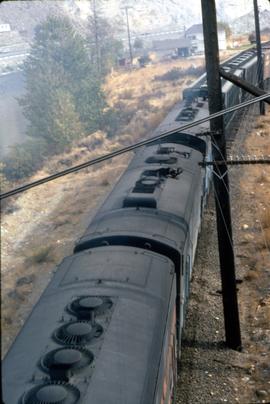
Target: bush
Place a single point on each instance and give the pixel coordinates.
(114, 119)
(23, 160)
(173, 74)
(177, 73)
(40, 255)
(3, 179)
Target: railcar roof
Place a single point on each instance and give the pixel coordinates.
(127, 353)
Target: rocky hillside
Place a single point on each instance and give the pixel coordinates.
(145, 16)
(245, 23)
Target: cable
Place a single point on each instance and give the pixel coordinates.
(130, 148)
(223, 218)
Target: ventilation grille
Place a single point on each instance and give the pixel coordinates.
(187, 114)
(85, 307)
(162, 173)
(52, 393)
(60, 362)
(78, 333)
(159, 159)
(165, 150)
(146, 185)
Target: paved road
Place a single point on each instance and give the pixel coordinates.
(12, 122)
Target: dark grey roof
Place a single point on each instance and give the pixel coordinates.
(167, 44)
(198, 29)
(195, 29)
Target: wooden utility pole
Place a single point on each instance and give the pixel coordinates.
(128, 31)
(221, 182)
(96, 34)
(259, 53)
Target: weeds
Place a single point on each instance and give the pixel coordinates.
(262, 178)
(251, 276)
(104, 183)
(266, 219)
(127, 94)
(177, 73)
(40, 255)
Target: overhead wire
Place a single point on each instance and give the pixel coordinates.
(129, 148)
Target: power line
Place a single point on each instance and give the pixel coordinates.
(129, 148)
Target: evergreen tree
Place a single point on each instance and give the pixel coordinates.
(63, 99)
(105, 48)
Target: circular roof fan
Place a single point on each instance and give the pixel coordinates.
(78, 333)
(62, 360)
(85, 306)
(149, 181)
(52, 393)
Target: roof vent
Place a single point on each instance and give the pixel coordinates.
(52, 393)
(146, 185)
(161, 160)
(162, 173)
(165, 150)
(187, 114)
(84, 307)
(62, 360)
(78, 333)
(139, 202)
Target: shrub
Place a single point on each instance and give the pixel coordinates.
(40, 255)
(23, 160)
(177, 73)
(266, 219)
(173, 74)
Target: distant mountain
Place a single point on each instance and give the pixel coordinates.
(245, 24)
(144, 15)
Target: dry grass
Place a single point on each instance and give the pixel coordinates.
(134, 86)
(64, 207)
(254, 254)
(266, 219)
(251, 276)
(40, 255)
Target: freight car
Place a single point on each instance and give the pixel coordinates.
(108, 327)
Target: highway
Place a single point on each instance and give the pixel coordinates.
(12, 123)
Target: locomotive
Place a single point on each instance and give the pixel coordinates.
(108, 327)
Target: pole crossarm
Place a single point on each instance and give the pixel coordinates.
(243, 84)
(236, 162)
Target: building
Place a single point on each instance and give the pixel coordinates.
(195, 35)
(180, 47)
(5, 28)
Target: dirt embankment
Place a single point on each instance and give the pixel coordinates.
(209, 372)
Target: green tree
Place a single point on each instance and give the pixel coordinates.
(65, 124)
(226, 27)
(138, 43)
(105, 48)
(63, 99)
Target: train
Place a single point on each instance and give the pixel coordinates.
(108, 327)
